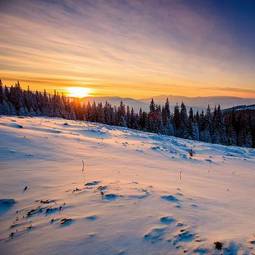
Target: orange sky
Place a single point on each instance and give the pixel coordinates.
(143, 52)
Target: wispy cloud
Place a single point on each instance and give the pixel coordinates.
(233, 90)
(120, 47)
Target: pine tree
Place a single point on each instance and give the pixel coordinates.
(184, 122)
(177, 120)
(1, 93)
(133, 119)
(190, 125)
(128, 118)
(191, 115)
(121, 115)
(152, 106)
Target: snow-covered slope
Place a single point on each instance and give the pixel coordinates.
(137, 193)
(241, 108)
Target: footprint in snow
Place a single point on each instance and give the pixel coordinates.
(52, 210)
(15, 125)
(155, 235)
(170, 198)
(91, 218)
(167, 220)
(201, 251)
(143, 194)
(66, 222)
(184, 236)
(232, 248)
(93, 183)
(6, 204)
(111, 197)
(179, 224)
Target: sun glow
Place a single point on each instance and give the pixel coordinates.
(78, 92)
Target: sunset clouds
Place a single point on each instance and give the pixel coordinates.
(128, 48)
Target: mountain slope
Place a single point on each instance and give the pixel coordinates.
(72, 187)
(198, 103)
(241, 108)
(136, 104)
(202, 102)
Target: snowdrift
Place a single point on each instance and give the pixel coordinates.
(70, 187)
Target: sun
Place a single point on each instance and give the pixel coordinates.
(78, 92)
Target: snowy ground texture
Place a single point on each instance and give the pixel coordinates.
(138, 193)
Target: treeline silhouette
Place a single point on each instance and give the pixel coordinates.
(213, 126)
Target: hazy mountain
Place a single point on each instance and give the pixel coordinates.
(136, 104)
(202, 102)
(241, 108)
(198, 103)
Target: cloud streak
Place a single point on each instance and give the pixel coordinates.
(120, 47)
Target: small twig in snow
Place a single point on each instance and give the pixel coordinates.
(82, 165)
(191, 153)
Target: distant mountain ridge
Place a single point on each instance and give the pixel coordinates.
(197, 103)
(202, 102)
(241, 108)
(136, 104)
